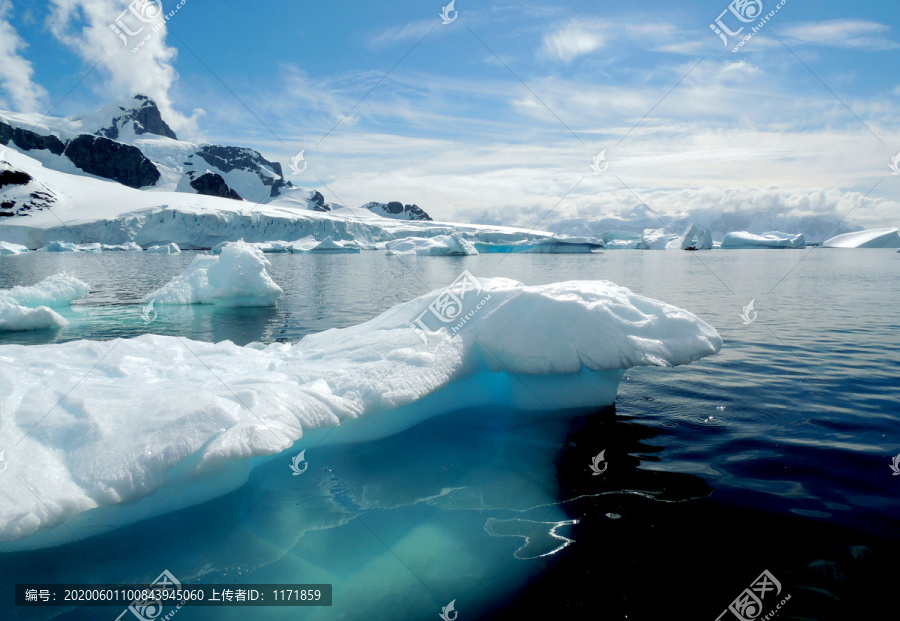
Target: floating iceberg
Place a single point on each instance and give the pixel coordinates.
(235, 277)
(543, 245)
(695, 238)
(126, 247)
(170, 248)
(166, 423)
(58, 246)
(8, 248)
(441, 245)
(871, 238)
(54, 291)
(655, 239)
(326, 246)
(15, 317)
(772, 239)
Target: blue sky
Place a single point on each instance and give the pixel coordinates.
(497, 115)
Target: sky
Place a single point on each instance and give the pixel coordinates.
(498, 115)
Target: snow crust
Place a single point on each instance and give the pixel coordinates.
(772, 239)
(235, 277)
(159, 423)
(870, 238)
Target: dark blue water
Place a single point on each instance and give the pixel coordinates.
(772, 455)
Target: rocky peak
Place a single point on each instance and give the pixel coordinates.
(142, 114)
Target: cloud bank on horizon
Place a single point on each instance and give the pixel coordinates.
(497, 116)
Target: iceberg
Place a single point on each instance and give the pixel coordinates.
(870, 238)
(58, 246)
(54, 291)
(655, 239)
(440, 245)
(694, 238)
(772, 239)
(542, 245)
(326, 246)
(8, 248)
(170, 248)
(15, 317)
(235, 277)
(165, 423)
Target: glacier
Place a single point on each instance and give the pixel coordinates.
(870, 238)
(236, 276)
(160, 423)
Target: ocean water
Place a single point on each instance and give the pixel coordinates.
(773, 455)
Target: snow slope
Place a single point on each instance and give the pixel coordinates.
(158, 423)
(870, 238)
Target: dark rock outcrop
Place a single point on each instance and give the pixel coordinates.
(28, 140)
(227, 159)
(20, 193)
(212, 184)
(398, 210)
(146, 119)
(109, 159)
(317, 202)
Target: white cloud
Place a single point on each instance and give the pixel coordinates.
(84, 26)
(843, 33)
(15, 71)
(575, 39)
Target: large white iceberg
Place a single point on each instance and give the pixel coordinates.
(694, 238)
(772, 239)
(440, 245)
(54, 291)
(15, 317)
(163, 422)
(655, 239)
(871, 238)
(8, 248)
(235, 277)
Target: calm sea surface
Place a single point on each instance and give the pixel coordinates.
(773, 455)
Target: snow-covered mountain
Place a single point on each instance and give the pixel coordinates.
(397, 210)
(129, 142)
(814, 228)
(80, 209)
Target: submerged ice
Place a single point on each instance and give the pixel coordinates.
(159, 423)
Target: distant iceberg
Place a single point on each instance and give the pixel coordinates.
(170, 248)
(440, 245)
(236, 277)
(694, 238)
(171, 423)
(655, 239)
(8, 248)
(772, 239)
(871, 238)
(542, 245)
